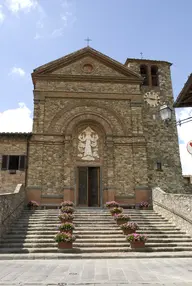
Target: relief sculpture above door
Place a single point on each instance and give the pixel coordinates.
(88, 145)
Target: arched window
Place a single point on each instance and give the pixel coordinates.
(154, 76)
(144, 74)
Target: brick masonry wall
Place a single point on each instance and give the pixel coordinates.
(174, 204)
(11, 146)
(11, 206)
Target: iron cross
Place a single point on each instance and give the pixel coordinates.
(88, 40)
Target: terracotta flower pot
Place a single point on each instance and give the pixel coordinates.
(66, 221)
(137, 244)
(65, 245)
(121, 221)
(67, 231)
(128, 231)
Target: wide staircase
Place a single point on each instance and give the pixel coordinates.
(98, 235)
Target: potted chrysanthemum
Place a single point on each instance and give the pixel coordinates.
(32, 205)
(143, 205)
(111, 204)
(67, 209)
(121, 218)
(137, 240)
(66, 217)
(66, 227)
(66, 204)
(65, 240)
(116, 210)
(129, 227)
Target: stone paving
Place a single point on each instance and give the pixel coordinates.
(99, 272)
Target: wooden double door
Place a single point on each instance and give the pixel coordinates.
(88, 186)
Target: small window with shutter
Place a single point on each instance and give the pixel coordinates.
(4, 165)
(22, 163)
(159, 166)
(13, 162)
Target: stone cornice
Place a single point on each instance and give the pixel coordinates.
(135, 99)
(85, 78)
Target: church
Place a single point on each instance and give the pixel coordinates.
(97, 134)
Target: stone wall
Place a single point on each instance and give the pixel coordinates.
(11, 206)
(61, 109)
(175, 207)
(11, 144)
(162, 140)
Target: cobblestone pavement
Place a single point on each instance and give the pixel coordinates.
(113, 272)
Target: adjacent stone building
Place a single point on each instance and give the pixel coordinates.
(97, 135)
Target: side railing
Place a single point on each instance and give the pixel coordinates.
(175, 207)
(11, 206)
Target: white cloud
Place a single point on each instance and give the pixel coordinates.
(2, 15)
(16, 6)
(18, 71)
(16, 120)
(185, 135)
(57, 33)
(37, 36)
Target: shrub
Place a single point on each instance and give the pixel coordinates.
(66, 216)
(67, 209)
(136, 237)
(130, 225)
(116, 210)
(67, 226)
(111, 204)
(66, 204)
(122, 217)
(64, 237)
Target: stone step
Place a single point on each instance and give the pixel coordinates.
(54, 244)
(121, 238)
(55, 250)
(91, 222)
(93, 249)
(31, 220)
(104, 255)
(89, 227)
(95, 231)
(80, 244)
(80, 215)
(96, 236)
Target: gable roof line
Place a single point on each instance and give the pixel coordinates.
(89, 51)
(183, 92)
(128, 60)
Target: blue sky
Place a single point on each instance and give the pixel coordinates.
(33, 32)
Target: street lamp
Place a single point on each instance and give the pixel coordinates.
(166, 113)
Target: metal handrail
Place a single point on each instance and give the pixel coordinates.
(183, 121)
(174, 212)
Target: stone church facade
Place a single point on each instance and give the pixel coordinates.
(97, 135)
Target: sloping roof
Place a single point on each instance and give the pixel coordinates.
(87, 51)
(129, 60)
(16, 134)
(184, 98)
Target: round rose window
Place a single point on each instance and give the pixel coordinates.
(88, 68)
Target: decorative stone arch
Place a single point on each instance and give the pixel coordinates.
(107, 118)
(72, 122)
